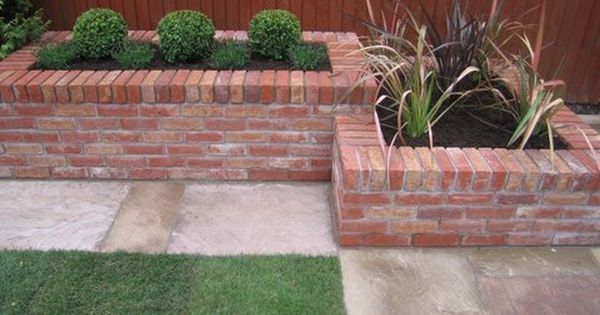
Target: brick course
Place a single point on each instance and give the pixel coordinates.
(151, 124)
(448, 197)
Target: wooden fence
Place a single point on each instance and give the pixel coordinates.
(572, 33)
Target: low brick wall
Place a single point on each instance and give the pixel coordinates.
(225, 125)
(465, 197)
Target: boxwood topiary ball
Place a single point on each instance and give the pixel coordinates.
(185, 34)
(98, 32)
(273, 32)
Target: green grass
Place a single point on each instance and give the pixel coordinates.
(87, 283)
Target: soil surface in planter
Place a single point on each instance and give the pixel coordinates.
(459, 128)
(158, 63)
(585, 109)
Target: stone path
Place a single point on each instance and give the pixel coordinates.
(288, 218)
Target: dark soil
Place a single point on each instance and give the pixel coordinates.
(158, 63)
(585, 109)
(467, 127)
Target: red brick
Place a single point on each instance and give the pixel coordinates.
(575, 198)
(90, 91)
(326, 92)
(499, 173)
(516, 198)
(413, 170)
(485, 240)
(144, 149)
(311, 84)
(532, 172)
(310, 175)
(20, 86)
(592, 163)
(436, 239)
(529, 239)
(40, 136)
(245, 136)
(163, 136)
(75, 87)
(75, 110)
(491, 212)
(387, 240)
(462, 226)
(56, 123)
(465, 172)
(236, 87)
(135, 123)
(9, 136)
(581, 175)
(207, 86)
(122, 110)
(351, 213)
(482, 171)
(221, 86)
(419, 199)
(155, 110)
(99, 123)
(293, 111)
(268, 174)
(119, 87)
(342, 85)
(86, 160)
(6, 90)
(133, 87)
(396, 170)
(470, 198)
(204, 163)
(103, 149)
(23, 148)
(34, 89)
(268, 150)
(282, 87)
(538, 212)
(267, 87)
(146, 173)
(356, 97)
(17, 123)
(251, 87)
(80, 136)
(575, 239)
(440, 212)
(121, 136)
(221, 174)
(549, 174)
(177, 86)
(431, 171)
(411, 227)
(69, 173)
(192, 86)
(245, 110)
(350, 240)
(185, 149)
(108, 173)
(62, 86)
(515, 172)
(168, 161)
(208, 137)
(62, 148)
(297, 87)
(181, 124)
(555, 225)
(509, 225)
(162, 86)
(31, 172)
(148, 86)
(225, 124)
(13, 160)
(33, 109)
(363, 227)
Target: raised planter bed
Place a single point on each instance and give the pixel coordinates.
(465, 197)
(175, 124)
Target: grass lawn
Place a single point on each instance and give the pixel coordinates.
(88, 283)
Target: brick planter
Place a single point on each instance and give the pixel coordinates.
(465, 197)
(269, 125)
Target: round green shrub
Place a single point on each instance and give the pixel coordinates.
(56, 56)
(98, 32)
(230, 55)
(185, 35)
(273, 32)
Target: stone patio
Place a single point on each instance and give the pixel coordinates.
(290, 218)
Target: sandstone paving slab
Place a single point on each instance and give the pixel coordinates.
(254, 218)
(533, 261)
(558, 295)
(409, 281)
(57, 215)
(145, 219)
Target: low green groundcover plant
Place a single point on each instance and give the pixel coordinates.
(230, 55)
(19, 25)
(56, 56)
(134, 55)
(308, 56)
(90, 283)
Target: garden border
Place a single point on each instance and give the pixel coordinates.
(446, 197)
(176, 124)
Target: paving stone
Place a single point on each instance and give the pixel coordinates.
(533, 261)
(145, 219)
(257, 218)
(571, 295)
(596, 253)
(409, 281)
(57, 215)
